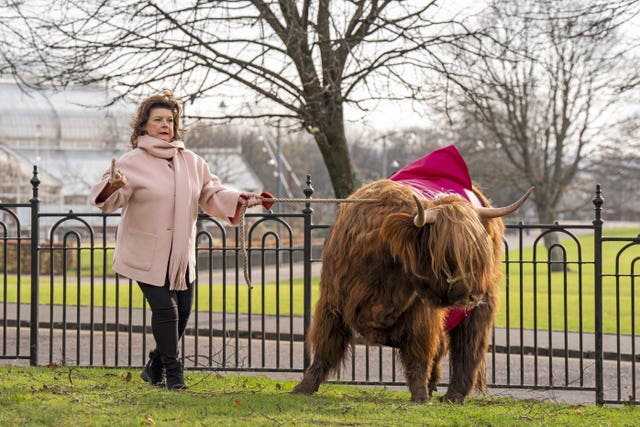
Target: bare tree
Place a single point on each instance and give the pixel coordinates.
(302, 60)
(545, 91)
(617, 169)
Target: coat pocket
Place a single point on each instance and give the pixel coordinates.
(137, 249)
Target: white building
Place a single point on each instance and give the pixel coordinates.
(71, 137)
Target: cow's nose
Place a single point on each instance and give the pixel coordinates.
(475, 300)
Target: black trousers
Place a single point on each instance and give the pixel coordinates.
(170, 312)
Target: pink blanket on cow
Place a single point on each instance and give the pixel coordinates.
(442, 171)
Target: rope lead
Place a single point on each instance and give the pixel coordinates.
(243, 210)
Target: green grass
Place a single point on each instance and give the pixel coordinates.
(533, 291)
(268, 298)
(71, 396)
(556, 297)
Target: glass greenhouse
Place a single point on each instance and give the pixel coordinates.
(71, 136)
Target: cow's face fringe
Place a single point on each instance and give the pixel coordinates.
(461, 250)
(454, 258)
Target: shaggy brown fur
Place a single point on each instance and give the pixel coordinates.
(391, 282)
(467, 343)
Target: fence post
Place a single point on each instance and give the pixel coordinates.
(597, 257)
(35, 269)
(307, 211)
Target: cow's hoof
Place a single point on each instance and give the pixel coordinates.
(419, 399)
(303, 389)
(455, 398)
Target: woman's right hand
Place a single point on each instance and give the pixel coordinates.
(118, 180)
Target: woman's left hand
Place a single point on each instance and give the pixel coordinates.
(252, 199)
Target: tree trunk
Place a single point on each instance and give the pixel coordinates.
(333, 146)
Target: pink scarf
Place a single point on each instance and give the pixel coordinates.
(179, 258)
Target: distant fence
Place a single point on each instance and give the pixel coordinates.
(568, 328)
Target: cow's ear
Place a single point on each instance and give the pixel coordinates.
(402, 236)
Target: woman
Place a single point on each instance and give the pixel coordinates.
(159, 185)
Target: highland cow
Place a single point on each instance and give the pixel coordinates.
(391, 272)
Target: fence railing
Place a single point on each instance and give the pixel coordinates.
(566, 322)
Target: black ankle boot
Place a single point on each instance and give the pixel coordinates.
(174, 372)
(153, 371)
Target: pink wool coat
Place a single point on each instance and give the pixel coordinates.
(146, 230)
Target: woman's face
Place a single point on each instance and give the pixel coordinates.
(160, 124)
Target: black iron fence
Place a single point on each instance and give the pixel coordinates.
(567, 321)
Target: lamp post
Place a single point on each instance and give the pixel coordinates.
(273, 147)
(384, 156)
(384, 149)
(384, 137)
(278, 163)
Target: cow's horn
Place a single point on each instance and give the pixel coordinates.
(505, 210)
(423, 217)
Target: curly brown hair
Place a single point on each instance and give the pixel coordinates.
(163, 100)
